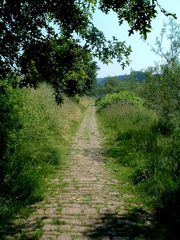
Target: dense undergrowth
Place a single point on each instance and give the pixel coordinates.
(143, 142)
(35, 136)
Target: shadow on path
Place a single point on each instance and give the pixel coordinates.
(24, 229)
(137, 224)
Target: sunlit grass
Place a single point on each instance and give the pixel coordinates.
(144, 161)
(42, 144)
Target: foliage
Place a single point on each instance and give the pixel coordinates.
(10, 123)
(161, 91)
(162, 88)
(133, 139)
(138, 14)
(149, 145)
(120, 83)
(120, 97)
(26, 25)
(41, 42)
(169, 36)
(37, 135)
(110, 85)
(128, 128)
(67, 66)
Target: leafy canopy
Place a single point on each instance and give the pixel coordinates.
(42, 39)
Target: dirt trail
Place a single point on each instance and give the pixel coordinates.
(89, 206)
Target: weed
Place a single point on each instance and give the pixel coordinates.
(37, 234)
(57, 221)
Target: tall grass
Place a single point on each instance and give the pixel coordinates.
(134, 139)
(36, 135)
(129, 133)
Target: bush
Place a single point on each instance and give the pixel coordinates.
(120, 97)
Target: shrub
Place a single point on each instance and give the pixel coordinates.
(120, 97)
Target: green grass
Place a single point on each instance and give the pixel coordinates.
(128, 139)
(57, 221)
(132, 198)
(37, 234)
(38, 134)
(144, 160)
(133, 141)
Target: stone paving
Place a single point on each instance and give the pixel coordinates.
(88, 206)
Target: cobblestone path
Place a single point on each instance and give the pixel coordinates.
(88, 206)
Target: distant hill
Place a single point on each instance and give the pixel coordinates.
(138, 75)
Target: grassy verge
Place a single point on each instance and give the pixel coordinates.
(37, 137)
(125, 128)
(145, 161)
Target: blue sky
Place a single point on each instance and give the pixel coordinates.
(142, 56)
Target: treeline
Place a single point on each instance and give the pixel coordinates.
(115, 84)
(138, 75)
(141, 124)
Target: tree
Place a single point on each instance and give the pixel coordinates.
(111, 85)
(28, 23)
(170, 34)
(162, 88)
(63, 63)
